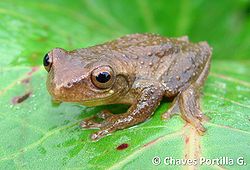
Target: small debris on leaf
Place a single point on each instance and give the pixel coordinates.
(122, 146)
(20, 99)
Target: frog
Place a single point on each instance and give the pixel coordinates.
(138, 70)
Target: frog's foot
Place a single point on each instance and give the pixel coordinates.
(190, 108)
(109, 125)
(187, 103)
(91, 123)
(118, 122)
(174, 109)
(140, 111)
(104, 114)
(200, 115)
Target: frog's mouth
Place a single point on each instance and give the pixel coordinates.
(96, 102)
(90, 96)
(112, 99)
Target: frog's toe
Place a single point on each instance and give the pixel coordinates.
(90, 124)
(104, 114)
(199, 115)
(109, 125)
(102, 133)
(174, 109)
(93, 122)
(195, 122)
(168, 115)
(200, 128)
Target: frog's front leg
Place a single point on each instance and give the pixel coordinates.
(147, 102)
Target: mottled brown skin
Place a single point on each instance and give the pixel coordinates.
(145, 68)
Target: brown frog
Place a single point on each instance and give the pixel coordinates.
(136, 69)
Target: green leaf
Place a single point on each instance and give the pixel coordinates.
(37, 134)
(31, 28)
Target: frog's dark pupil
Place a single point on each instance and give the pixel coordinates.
(46, 60)
(103, 77)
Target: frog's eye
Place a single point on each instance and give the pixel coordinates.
(102, 77)
(47, 62)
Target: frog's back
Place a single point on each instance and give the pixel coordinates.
(147, 52)
(185, 66)
(160, 58)
(175, 62)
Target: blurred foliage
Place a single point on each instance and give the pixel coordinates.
(36, 134)
(28, 29)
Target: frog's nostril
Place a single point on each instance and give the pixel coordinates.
(47, 62)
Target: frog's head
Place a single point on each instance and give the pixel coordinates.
(86, 77)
